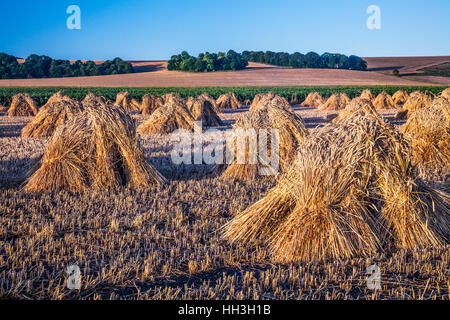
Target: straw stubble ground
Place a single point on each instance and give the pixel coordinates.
(165, 242)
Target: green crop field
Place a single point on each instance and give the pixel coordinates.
(41, 94)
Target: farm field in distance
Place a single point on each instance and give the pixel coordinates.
(155, 74)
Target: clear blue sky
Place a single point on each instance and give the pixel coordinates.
(137, 29)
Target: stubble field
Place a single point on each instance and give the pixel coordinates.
(165, 242)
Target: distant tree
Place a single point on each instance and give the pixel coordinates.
(282, 58)
(313, 60)
(297, 60)
(342, 61)
(9, 67)
(356, 63)
(43, 66)
(175, 62)
(188, 64)
(246, 55)
(200, 65)
(206, 62)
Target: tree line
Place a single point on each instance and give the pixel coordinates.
(309, 60)
(236, 61)
(207, 62)
(36, 66)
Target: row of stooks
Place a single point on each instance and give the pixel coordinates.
(352, 188)
(24, 105)
(401, 100)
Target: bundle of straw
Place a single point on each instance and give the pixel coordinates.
(22, 105)
(446, 93)
(92, 100)
(428, 131)
(263, 100)
(97, 149)
(171, 116)
(210, 99)
(367, 95)
(49, 117)
(400, 97)
(314, 99)
(384, 101)
(337, 101)
(228, 101)
(174, 98)
(358, 106)
(124, 100)
(202, 110)
(150, 103)
(289, 127)
(58, 96)
(416, 100)
(351, 191)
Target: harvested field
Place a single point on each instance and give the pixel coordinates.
(155, 74)
(403, 64)
(163, 242)
(410, 68)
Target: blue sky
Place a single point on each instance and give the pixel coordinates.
(137, 29)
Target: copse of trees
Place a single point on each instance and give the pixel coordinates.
(206, 62)
(45, 67)
(309, 60)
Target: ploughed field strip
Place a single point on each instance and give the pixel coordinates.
(364, 182)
